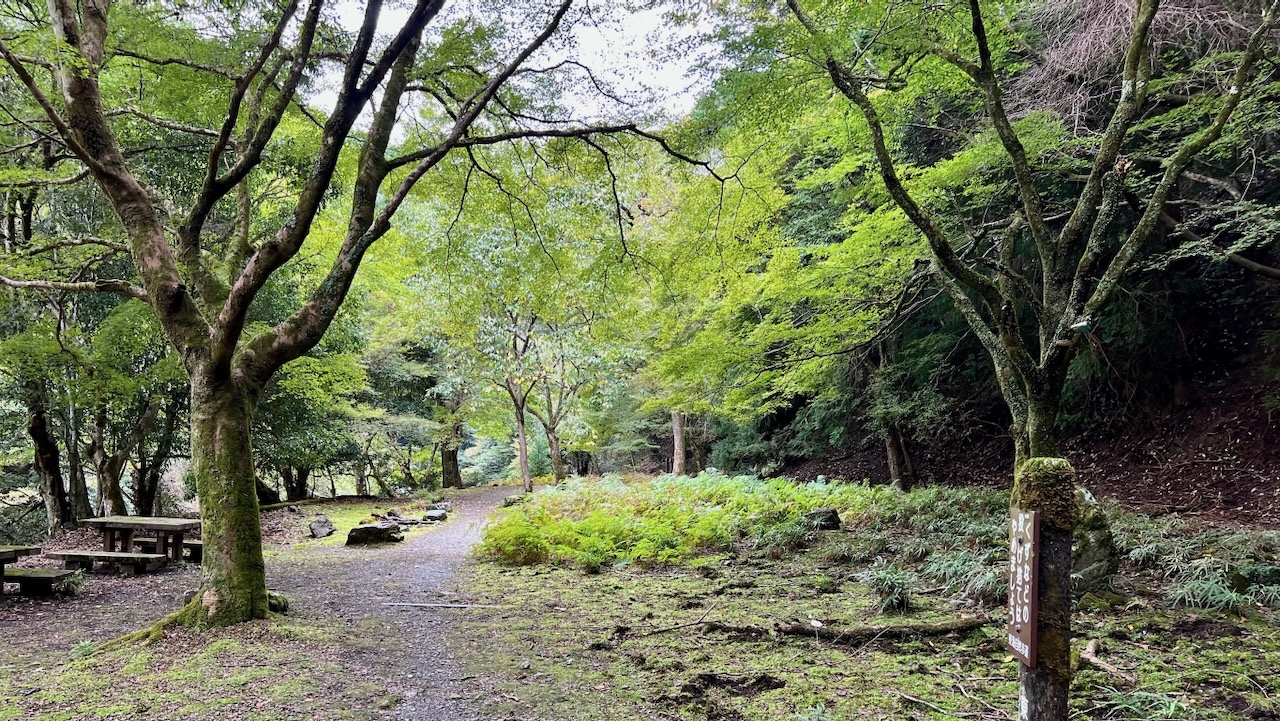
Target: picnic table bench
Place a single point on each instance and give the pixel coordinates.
(9, 554)
(37, 581)
(118, 532)
(193, 546)
(125, 560)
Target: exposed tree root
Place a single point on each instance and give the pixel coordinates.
(144, 636)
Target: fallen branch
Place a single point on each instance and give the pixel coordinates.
(849, 635)
(934, 706)
(1090, 654)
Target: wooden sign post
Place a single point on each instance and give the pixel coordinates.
(1024, 572)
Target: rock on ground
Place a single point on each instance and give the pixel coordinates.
(435, 515)
(322, 527)
(369, 533)
(824, 519)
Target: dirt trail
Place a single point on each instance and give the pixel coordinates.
(355, 584)
(404, 650)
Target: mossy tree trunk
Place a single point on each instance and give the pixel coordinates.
(233, 578)
(58, 509)
(1047, 485)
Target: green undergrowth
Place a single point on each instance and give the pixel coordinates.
(952, 540)
(627, 645)
(269, 671)
(604, 585)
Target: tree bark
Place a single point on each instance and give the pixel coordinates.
(581, 462)
(48, 467)
(557, 455)
(522, 447)
(901, 470)
(450, 471)
(146, 484)
(78, 485)
(677, 443)
(1047, 485)
(362, 478)
(295, 482)
(110, 495)
(233, 579)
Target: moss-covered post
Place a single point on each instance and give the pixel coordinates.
(1047, 486)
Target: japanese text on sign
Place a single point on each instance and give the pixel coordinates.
(1024, 555)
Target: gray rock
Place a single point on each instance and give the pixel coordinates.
(393, 513)
(514, 500)
(435, 515)
(441, 506)
(322, 527)
(1094, 556)
(824, 519)
(370, 533)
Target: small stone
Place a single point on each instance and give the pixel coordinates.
(370, 533)
(393, 513)
(435, 516)
(293, 509)
(322, 527)
(441, 506)
(514, 500)
(824, 519)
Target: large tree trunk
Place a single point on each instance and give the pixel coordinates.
(450, 471)
(58, 510)
(522, 447)
(901, 470)
(1045, 483)
(233, 578)
(557, 456)
(677, 443)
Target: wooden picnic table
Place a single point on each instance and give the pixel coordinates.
(120, 530)
(9, 554)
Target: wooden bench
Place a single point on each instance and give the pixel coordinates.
(36, 581)
(111, 560)
(193, 546)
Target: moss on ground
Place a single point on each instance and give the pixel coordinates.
(616, 645)
(285, 669)
(346, 515)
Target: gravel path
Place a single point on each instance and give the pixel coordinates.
(356, 583)
(336, 587)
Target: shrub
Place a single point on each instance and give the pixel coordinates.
(517, 541)
(891, 585)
